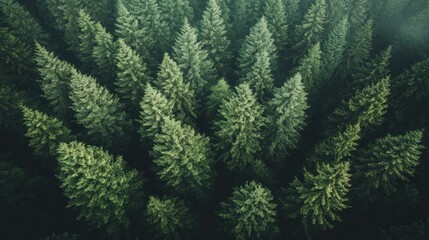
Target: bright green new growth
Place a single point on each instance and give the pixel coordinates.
(218, 94)
(310, 69)
(171, 84)
(386, 162)
(288, 117)
(240, 128)
(250, 213)
(132, 75)
(319, 199)
(183, 159)
(154, 108)
(276, 15)
(259, 40)
(169, 218)
(97, 110)
(213, 35)
(104, 202)
(45, 133)
(55, 77)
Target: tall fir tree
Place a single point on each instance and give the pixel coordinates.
(183, 159)
(277, 18)
(240, 128)
(310, 69)
(16, 54)
(288, 116)
(246, 14)
(373, 70)
(318, 201)
(173, 13)
(250, 213)
(97, 110)
(336, 11)
(218, 94)
(86, 39)
(214, 36)
(170, 83)
(292, 11)
(106, 202)
(104, 54)
(197, 69)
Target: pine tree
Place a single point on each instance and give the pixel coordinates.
(218, 94)
(55, 77)
(132, 75)
(154, 108)
(169, 218)
(386, 162)
(288, 117)
(310, 30)
(97, 110)
(318, 200)
(310, 69)
(86, 39)
(183, 159)
(170, 83)
(366, 107)
(372, 71)
(104, 53)
(15, 53)
(214, 36)
(276, 15)
(239, 129)
(104, 203)
(260, 77)
(250, 213)
(173, 13)
(259, 40)
(192, 59)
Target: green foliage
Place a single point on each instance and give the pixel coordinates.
(10, 110)
(276, 15)
(387, 161)
(104, 53)
(377, 68)
(318, 200)
(310, 69)
(15, 53)
(288, 117)
(336, 11)
(192, 59)
(246, 14)
(86, 38)
(173, 13)
(62, 236)
(250, 213)
(12, 179)
(97, 185)
(169, 218)
(170, 83)
(44, 132)
(218, 94)
(97, 110)
(183, 159)
(214, 36)
(240, 128)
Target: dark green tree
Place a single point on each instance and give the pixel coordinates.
(104, 53)
(375, 69)
(277, 18)
(97, 185)
(250, 213)
(310, 69)
(245, 15)
(173, 13)
(218, 94)
(86, 37)
(15, 53)
(336, 11)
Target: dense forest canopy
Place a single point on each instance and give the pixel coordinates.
(214, 119)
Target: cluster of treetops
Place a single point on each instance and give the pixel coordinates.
(218, 119)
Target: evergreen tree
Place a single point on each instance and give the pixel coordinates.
(214, 36)
(246, 14)
(292, 11)
(104, 53)
(132, 75)
(310, 30)
(55, 76)
(192, 59)
(173, 13)
(276, 15)
(15, 53)
(336, 11)
(218, 94)
(386, 162)
(183, 159)
(239, 129)
(318, 200)
(170, 83)
(10, 108)
(377, 68)
(86, 36)
(97, 110)
(250, 213)
(310, 69)
(259, 40)
(45, 133)
(154, 108)
(169, 218)
(288, 117)
(104, 203)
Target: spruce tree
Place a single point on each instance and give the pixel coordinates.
(170, 218)
(310, 69)
(386, 162)
(240, 128)
(154, 109)
(45, 133)
(183, 159)
(104, 53)
(197, 69)
(132, 75)
(288, 117)
(336, 11)
(310, 31)
(15, 53)
(86, 39)
(246, 14)
(259, 40)
(173, 13)
(276, 15)
(55, 77)
(97, 110)
(318, 200)
(214, 36)
(170, 83)
(250, 213)
(218, 94)
(372, 71)
(106, 202)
